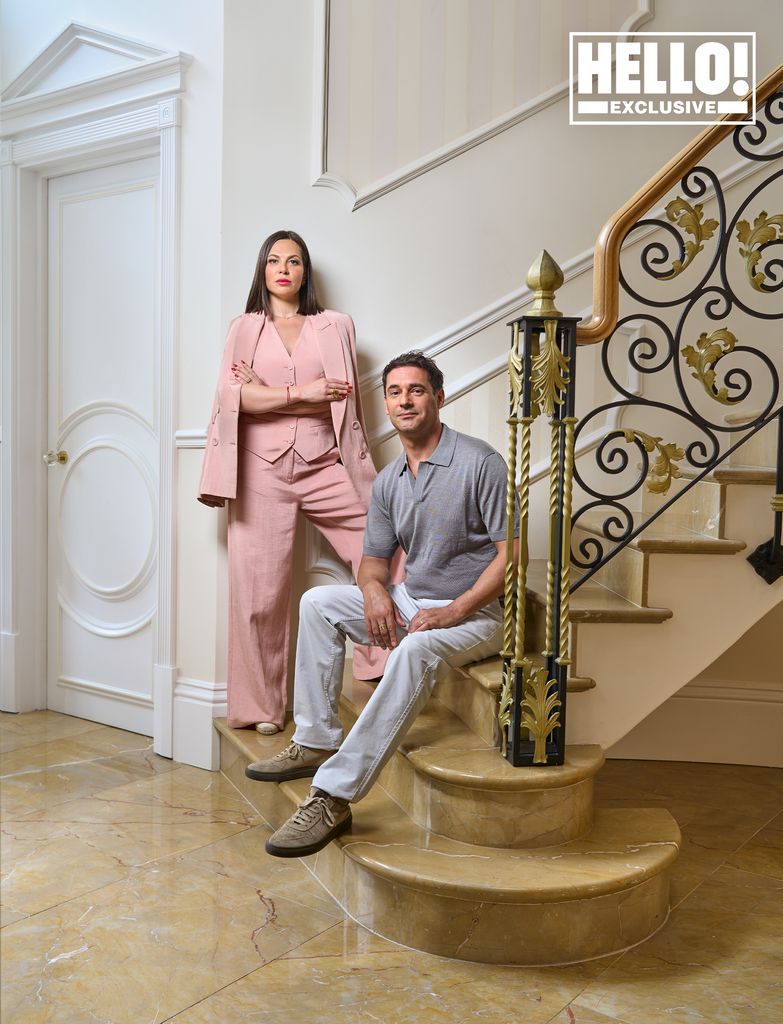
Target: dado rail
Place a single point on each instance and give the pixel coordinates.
(704, 298)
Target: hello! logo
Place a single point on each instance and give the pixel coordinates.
(662, 77)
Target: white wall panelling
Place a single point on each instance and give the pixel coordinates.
(120, 113)
(392, 97)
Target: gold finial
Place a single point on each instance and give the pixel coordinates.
(544, 277)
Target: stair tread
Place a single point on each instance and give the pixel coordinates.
(625, 847)
(439, 744)
(665, 536)
(745, 475)
(489, 674)
(593, 602)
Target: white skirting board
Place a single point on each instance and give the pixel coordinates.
(196, 704)
(721, 722)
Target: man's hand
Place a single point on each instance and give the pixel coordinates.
(435, 618)
(381, 615)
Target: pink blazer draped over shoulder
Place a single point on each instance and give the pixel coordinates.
(336, 340)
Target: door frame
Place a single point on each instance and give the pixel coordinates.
(38, 147)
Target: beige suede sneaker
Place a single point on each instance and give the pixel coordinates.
(293, 762)
(312, 826)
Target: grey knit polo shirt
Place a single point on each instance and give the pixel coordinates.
(445, 519)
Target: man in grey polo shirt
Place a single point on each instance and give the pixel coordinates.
(443, 501)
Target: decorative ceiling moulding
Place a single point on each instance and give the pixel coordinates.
(53, 88)
(357, 197)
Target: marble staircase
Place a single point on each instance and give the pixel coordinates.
(457, 853)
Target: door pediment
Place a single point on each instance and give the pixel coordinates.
(85, 71)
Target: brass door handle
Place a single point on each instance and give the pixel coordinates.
(50, 458)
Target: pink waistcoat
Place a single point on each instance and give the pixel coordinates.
(336, 341)
(272, 433)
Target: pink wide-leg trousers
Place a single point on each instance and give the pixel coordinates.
(261, 533)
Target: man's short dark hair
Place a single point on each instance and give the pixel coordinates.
(422, 362)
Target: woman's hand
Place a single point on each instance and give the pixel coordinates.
(325, 389)
(245, 374)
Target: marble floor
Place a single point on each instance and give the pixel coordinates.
(136, 891)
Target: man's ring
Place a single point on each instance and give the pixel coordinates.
(383, 628)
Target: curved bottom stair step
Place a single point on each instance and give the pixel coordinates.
(450, 780)
(557, 904)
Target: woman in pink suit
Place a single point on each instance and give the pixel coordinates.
(287, 434)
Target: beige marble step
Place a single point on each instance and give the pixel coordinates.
(472, 693)
(551, 904)
(449, 780)
(591, 603)
(555, 904)
(727, 473)
(627, 573)
(760, 449)
(754, 475)
(700, 509)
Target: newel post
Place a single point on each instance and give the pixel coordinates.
(532, 713)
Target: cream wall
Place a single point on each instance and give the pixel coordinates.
(732, 712)
(438, 262)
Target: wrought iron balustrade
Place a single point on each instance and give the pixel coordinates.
(700, 320)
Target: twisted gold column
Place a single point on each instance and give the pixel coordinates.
(565, 549)
(510, 593)
(524, 517)
(514, 369)
(554, 478)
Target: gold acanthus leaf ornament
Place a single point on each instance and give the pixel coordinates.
(663, 469)
(754, 240)
(710, 349)
(549, 371)
(506, 700)
(540, 710)
(691, 220)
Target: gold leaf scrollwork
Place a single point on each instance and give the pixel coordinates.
(663, 469)
(710, 349)
(689, 219)
(549, 374)
(754, 240)
(540, 709)
(506, 700)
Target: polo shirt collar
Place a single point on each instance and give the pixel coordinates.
(442, 456)
(444, 453)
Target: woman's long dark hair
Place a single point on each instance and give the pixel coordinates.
(258, 299)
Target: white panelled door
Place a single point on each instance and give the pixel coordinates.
(103, 437)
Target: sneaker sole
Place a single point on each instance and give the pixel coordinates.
(286, 775)
(306, 851)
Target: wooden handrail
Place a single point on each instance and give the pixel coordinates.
(606, 269)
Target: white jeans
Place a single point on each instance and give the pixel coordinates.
(327, 615)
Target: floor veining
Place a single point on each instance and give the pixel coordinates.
(136, 890)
